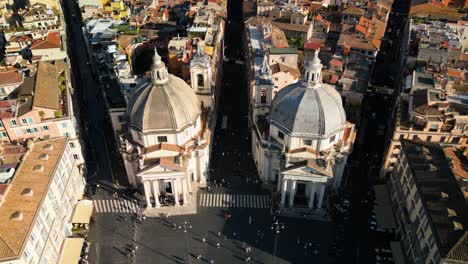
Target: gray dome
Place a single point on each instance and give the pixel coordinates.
(170, 105)
(308, 112)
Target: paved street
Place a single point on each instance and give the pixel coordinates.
(366, 159)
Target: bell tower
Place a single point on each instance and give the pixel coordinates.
(200, 71)
(263, 93)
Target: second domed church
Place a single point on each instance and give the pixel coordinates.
(300, 136)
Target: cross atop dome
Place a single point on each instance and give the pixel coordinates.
(313, 72)
(159, 72)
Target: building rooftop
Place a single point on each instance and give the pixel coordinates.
(440, 195)
(10, 78)
(51, 41)
(282, 50)
(46, 92)
(25, 196)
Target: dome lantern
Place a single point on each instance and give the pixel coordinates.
(313, 72)
(159, 70)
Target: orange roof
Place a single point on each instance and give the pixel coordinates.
(10, 77)
(312, 45)
(377, 43)
(323, 20)
(52, 41)
(163, 146)
(454, 73)
(336, 62)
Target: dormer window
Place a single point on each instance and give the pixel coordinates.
(48, 147)
(27, 192)
(17, 216)
(38, 168)
(44, 156)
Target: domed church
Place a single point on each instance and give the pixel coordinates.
(168, 137)
(300, 139)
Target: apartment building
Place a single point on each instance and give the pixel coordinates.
(36, 208)
(427, 113)
(40, 108)
(428, 204)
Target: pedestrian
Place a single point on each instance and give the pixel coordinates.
(199, 256)
(298, 240)
(247, 259)
(211, 261)
(203, 239)
(219, 234)
(218, 245)
(235, 234)
(229, 216)
(243, 245)
(305, 245)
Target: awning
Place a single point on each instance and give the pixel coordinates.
(383, 208)
(397, 253)
(71, 250)
(83, 212)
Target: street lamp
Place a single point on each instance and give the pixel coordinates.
(276, 227)
(186, 225)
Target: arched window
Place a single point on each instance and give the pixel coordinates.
(200, 81)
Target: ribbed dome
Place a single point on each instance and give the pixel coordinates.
(166, 103)
(305, 112)
(172, 105)
(310, 108)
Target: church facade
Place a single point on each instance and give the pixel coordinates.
(301, 138)
(166, 140)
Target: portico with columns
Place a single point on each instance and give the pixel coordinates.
(166, 186)
(304, 186)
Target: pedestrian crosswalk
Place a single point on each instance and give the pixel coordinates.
(115, 206)
(234, 200)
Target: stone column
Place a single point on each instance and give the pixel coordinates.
(147, 189)
(312, 195)
(292, 192)
(320, 198)
(155, 183)
(184, 191)
(284, 189)
(175, 191)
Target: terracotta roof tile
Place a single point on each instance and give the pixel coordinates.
(10, 77)
(454, 73)
(52, 41)
(312, 45)
(163, 146)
